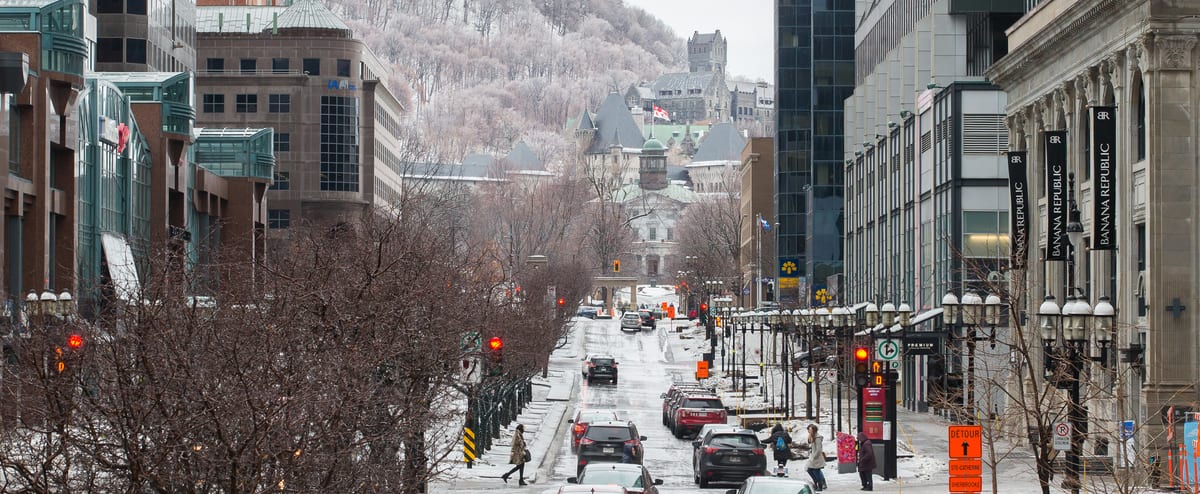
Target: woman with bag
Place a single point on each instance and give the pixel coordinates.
(816, 458)
(518, 456)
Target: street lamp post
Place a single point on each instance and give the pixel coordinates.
(968, 315)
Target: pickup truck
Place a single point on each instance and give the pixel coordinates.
(696, 410)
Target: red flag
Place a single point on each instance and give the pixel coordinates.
(123, 133)
(661, 113)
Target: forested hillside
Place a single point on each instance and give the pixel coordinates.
(478, 75)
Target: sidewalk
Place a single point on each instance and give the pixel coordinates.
(543, 419)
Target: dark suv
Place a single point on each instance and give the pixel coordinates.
(647, 318)
(727, 456)
(820, 356)
(600, 367)
(605, 441)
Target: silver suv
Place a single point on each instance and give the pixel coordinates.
(631, 321)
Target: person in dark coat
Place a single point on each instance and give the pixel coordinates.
(780, 436)
(517, 455)
(628, 453)
(866, 461)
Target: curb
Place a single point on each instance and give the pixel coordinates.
(550, 456)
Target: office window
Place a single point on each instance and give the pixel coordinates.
(343, 67)
(279, 103)
(280, 65)
(137, 7)
(247, 103)
(312, 66)
(214, 103)
(282, 142)
(109, 7)
(110, 50)
(279, 218)
(283, 181)
(339, 143)
(216, 65)
(249, 65)
(135, 50)
(653, 234)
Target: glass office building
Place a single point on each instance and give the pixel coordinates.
(814, 75)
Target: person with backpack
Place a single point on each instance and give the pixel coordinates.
(781, 443)
(866, 461)
(816, 458)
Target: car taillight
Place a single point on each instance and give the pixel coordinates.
(579, 428)
(710, 450)
(757, 451)
(614, 365)
(585, 441)
(724, 415)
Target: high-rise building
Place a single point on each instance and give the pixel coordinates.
(145, 35)
(814, 61)
(926, 179)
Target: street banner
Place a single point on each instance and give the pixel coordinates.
(1056, 195)
(1104, 193)
(1018, 188)
(847, 462)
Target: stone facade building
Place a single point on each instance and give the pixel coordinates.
(699, 95)
(1140, 57)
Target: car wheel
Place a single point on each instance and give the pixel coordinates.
(589, 379)
(675, 432)
(664, 417)
(703, 481)
(614, 381)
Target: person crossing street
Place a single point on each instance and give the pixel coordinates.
(518, 456)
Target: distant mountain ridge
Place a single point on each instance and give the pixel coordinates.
(480, 75)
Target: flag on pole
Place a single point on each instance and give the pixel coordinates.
(763, 223)
(661, 113)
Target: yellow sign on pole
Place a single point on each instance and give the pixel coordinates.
(468, 446)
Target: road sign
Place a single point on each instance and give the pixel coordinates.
(701, 369)
(1062, 436)
(966, 468)
(1127, 430)
(468, 446)
(966, 441)
(966, 484)
(887, 349)
(894, 365)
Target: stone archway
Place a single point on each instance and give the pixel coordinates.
(613, 282)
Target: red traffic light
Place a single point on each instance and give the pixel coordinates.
(75, 341)
(562, 301)
(703, 307)
(495, 343)
(861, 354)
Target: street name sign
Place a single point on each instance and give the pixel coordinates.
(966, 468)
(966, 484)
(1062, 436)
(966, 441)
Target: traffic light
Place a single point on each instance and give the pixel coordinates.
(704, 314)
(562, 302)
(861, 365)
(616, 265)
(495, 356)
(61, 355)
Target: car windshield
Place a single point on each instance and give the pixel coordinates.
(733, 441)
(623, 478)
(589, 417)
(778, 488)
(602, 361)
(702, 403)
(608, 433)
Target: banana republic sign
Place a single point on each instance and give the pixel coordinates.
(1104, 195)
(1056, 195)
(1019, 201)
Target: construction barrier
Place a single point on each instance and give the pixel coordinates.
(469, 454)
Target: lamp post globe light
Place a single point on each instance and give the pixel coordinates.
(963, 317)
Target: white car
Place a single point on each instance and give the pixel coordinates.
(631, 321)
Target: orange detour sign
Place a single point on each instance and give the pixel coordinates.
(966, 468)
(966, 484)
(966, 441)
(701, 369)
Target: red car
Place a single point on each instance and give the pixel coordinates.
(581, 421)
(695, 410)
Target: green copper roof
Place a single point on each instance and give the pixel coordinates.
(653, 145)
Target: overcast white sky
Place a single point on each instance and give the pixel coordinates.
(748, 25)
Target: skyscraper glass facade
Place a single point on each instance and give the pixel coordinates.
(814, 76)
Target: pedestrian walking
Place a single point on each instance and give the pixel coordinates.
(816, 457)
(628, 453)
(866, 461)
(781, 444)
(518, 456)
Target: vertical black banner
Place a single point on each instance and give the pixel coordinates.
(1104, 191)
(1056, 195)
(1018, 189)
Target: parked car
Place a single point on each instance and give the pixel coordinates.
(600, 367)
(592, 489)
(691, 412)
(587, 311)
(674, 392)
(727, 456)
(631, 320)
(634, 478)
(647, 318)
(819, 355)
(605, 441)
(581, 421)
(773, 485)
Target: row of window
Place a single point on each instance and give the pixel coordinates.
(311, 66)
(247, 103)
